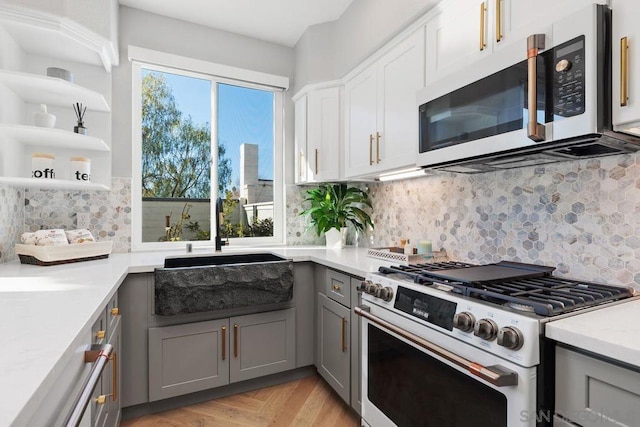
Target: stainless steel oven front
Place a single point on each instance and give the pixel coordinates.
(413, 375)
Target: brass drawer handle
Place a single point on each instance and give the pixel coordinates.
(101, 334)
(114, 376)
(235, 340)
(483, 10)
(370, 149)
(115, 311)
(224, 342)
(336, 287)
(498, 20)
(624, 72)
(300, 167)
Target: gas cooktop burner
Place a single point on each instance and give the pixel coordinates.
(520, 307)
(524, 287)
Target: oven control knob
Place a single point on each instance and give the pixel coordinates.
(464, 321)
(372, 288)
(362, 287)
(486, 329)
(510, 338)
(385, 293)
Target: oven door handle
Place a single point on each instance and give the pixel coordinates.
(496, 374)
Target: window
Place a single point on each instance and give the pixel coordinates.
(184, 123)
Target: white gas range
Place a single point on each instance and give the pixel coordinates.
(454, 344)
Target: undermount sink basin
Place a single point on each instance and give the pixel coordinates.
(210, 260)
(217, 282)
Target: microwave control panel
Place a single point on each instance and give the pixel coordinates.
(569, 78)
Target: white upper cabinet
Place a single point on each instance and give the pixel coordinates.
(381, 120)
(300, 140)
(466, 30)
(318, 134)
(323, 135)
(625, 65)
(360, 122)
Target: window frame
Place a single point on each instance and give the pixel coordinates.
(216, 73)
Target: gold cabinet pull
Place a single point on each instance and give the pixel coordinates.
(115, 311)
(483, 11)
(344, 334)
(224, 342)
(377, 147)
(370, 149)
(624, 72)
(102, 399)
(300, 157)
(498, 20)
(235, 340)
(535, 130)
(316, 161)
(336, 287)
(114, 376)
(101, 334)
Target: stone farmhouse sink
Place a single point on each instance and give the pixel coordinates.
(217, 282)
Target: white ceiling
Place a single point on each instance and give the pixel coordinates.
(277, 21)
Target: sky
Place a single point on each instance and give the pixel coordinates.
(244, 116)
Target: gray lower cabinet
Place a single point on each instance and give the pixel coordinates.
(334, 345)
(591, 392)
(198, 356)
(263, 344)
(356, 351)
(337, 345)
(188, 358)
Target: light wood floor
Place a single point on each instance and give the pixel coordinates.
(306, 402)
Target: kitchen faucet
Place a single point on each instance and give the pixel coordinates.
(219, 220)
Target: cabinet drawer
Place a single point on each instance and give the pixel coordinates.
(591, 392)
(338, 287)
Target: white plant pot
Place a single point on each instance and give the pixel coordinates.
(335, 238)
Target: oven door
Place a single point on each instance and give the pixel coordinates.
(413, 375)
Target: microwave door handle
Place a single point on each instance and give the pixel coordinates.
(496, 375)
(535, 130)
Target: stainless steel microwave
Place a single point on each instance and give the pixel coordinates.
(546, 98)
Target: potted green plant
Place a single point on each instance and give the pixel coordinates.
(333, 206)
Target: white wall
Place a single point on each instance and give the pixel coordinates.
(329, 51)
(151, 31)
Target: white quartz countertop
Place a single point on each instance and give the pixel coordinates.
(46, 313)
(613, 332)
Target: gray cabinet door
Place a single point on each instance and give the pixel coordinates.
(262, 344)
(594, 393)
(187, 358)
(356, 326)
(334, 345)
(134, 310)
